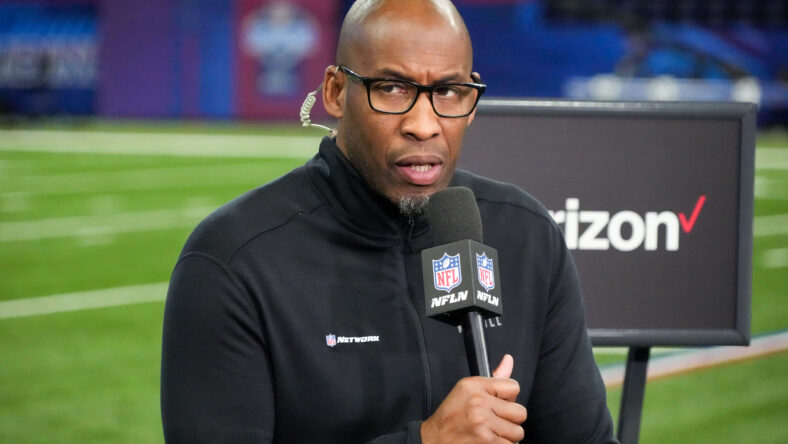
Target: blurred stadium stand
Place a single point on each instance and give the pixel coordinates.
(703, 12)
(256, 59)
(48, 58)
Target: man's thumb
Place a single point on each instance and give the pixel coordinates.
(505, 368)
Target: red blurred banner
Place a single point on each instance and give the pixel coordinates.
(282, 49)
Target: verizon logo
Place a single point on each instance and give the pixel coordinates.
(601, 230)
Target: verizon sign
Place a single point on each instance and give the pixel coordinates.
(654, 201)
(603, 231)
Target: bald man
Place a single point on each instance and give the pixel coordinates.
(295, 312)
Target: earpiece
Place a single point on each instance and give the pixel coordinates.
(306, 108)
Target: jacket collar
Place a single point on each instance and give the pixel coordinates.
(356, 204)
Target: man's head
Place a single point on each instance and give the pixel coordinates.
(404, 157)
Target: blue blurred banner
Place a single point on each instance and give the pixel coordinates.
(48, 58)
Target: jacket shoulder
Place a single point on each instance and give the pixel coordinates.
(496, 192)
(257, 211)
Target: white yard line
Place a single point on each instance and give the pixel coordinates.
(180, 177)
(775, 258)
(687, 361)
(160, 144)
(773, 225)
(768, 188)
(83, 300)
(768, 158)
(215, 145)
(102, 224)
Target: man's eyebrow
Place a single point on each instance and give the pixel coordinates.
(394, 74)
(451, 78)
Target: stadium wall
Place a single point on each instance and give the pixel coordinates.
(257, 59)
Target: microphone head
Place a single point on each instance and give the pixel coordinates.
(453, 215)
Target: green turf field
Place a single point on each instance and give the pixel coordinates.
(74, 218)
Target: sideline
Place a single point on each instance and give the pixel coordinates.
(699, 359)
(83, 300)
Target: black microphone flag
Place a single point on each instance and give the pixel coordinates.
(461, 276)
(461, 279)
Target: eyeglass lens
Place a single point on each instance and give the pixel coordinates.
(396, 97)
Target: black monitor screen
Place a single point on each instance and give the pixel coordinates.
(654, 200)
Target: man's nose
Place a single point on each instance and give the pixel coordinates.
(421, 122)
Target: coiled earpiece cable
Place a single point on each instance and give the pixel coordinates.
(306, 108)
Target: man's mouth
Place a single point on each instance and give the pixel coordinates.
(421, 168)
(420, 172)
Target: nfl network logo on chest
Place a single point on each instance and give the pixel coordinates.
(331, 340)
(484, 266)
(446, 272)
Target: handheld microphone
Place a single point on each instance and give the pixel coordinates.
(461, 281)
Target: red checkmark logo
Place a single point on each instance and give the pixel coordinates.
(687, 225)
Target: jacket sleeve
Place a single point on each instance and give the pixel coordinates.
(410, 435)
(568, 401)
(215, 375)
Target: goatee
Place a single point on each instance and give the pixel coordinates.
(413, 205)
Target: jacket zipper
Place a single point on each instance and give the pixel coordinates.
(420, 329)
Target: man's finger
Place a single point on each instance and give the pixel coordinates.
(507, 430)
(510, 411)
(505, 368)
(506, 389)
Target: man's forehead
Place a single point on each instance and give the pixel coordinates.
(426, 13)
(375, 25)
(362, 9)
(414, 9)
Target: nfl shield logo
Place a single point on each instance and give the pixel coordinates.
(331, 340)
(484, 265)
(446, 272)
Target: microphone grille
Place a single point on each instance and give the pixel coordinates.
(453, 215)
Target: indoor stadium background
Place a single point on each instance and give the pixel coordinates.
(123, 123)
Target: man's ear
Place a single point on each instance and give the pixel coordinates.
(334, 92)
(476, 78)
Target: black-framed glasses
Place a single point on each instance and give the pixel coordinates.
(395, 96)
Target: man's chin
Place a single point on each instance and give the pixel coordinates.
(413, 205)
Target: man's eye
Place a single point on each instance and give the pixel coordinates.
(446, 91)
(392, 87)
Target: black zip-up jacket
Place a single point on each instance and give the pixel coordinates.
(265, 281)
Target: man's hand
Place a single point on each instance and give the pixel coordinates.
(479, 410)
